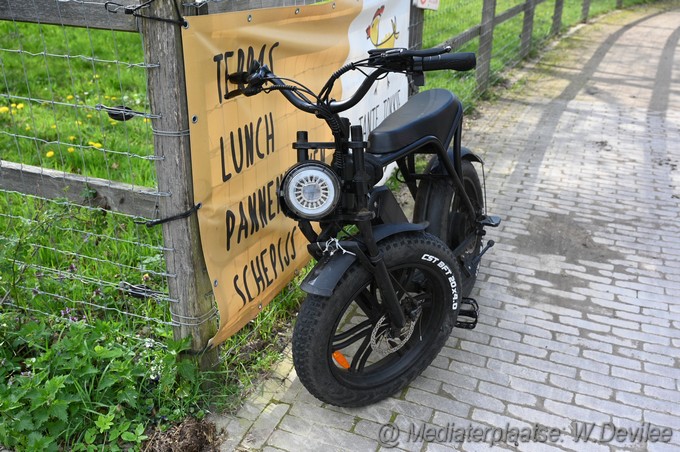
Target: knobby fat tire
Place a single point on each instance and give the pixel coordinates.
(319, 317)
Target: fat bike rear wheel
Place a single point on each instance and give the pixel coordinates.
(344, 349)
(449, 220)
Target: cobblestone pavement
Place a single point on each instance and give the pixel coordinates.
(580, 313)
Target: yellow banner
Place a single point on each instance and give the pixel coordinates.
(241, 147)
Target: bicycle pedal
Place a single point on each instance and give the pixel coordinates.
(468, 314)
(491, 220)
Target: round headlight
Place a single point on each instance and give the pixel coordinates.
(311, 190)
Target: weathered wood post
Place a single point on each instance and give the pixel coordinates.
(527, 28)
(557, 18)
(485, 45)
(585, 10)
(194, 312)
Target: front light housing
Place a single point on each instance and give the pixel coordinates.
(310, 190)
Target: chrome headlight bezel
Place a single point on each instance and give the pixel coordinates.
(310, 190)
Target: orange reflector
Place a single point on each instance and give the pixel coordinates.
(340, 359)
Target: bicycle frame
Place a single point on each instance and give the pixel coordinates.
(373, 210)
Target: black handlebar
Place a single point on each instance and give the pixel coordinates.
(384, 61)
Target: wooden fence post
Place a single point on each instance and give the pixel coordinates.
(557, 18)
(194, 312)
(485, 45)
(416, 23)
(585, 10)
(527, 28)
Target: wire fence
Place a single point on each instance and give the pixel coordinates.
(80, 171)
(62, 133)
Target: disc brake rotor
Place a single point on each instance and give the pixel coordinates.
(382, 341)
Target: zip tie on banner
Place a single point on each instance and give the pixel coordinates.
(113, 7)
(179, 216)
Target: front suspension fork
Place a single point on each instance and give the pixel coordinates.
(376, 263)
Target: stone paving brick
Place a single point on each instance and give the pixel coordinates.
(543, 417)
(448, 376)
(581, 387)
(507, 394)
(662, 406)
(517, 370)
(614, 360)
(473, 398)
(580, 363)
(546, 365)
(322, 416)
(576, 412)
(438, 402)
(264, 425)
(324, 435)
(552, 392)
(551, 345)
(579, 307)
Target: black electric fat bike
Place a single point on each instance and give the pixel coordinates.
(385, 292)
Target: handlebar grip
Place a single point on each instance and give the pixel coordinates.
(239, 78)
(463, 61)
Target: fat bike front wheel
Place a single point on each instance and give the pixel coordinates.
(344, 348)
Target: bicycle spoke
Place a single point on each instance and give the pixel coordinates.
(352, 335)
(368, 302)
(361, 356)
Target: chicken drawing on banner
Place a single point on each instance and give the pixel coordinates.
(373, 31)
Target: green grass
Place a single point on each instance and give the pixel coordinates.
(68, 323)
(84, 363)
(53, 80)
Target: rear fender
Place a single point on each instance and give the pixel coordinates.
(434, 167)
(326, 274)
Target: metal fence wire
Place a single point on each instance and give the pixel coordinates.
(62, 92)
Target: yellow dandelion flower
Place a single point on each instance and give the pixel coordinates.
(49, 154)
(107, 97)
(69, 97)
(4, 109)
(94, 144)
(79, 123)
(20, 106)
(113, 98)
(72, 138)
(54, 126)
(71, 150)
(28, 127)
(13, 105)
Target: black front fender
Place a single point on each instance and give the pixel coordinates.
(325, 275)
